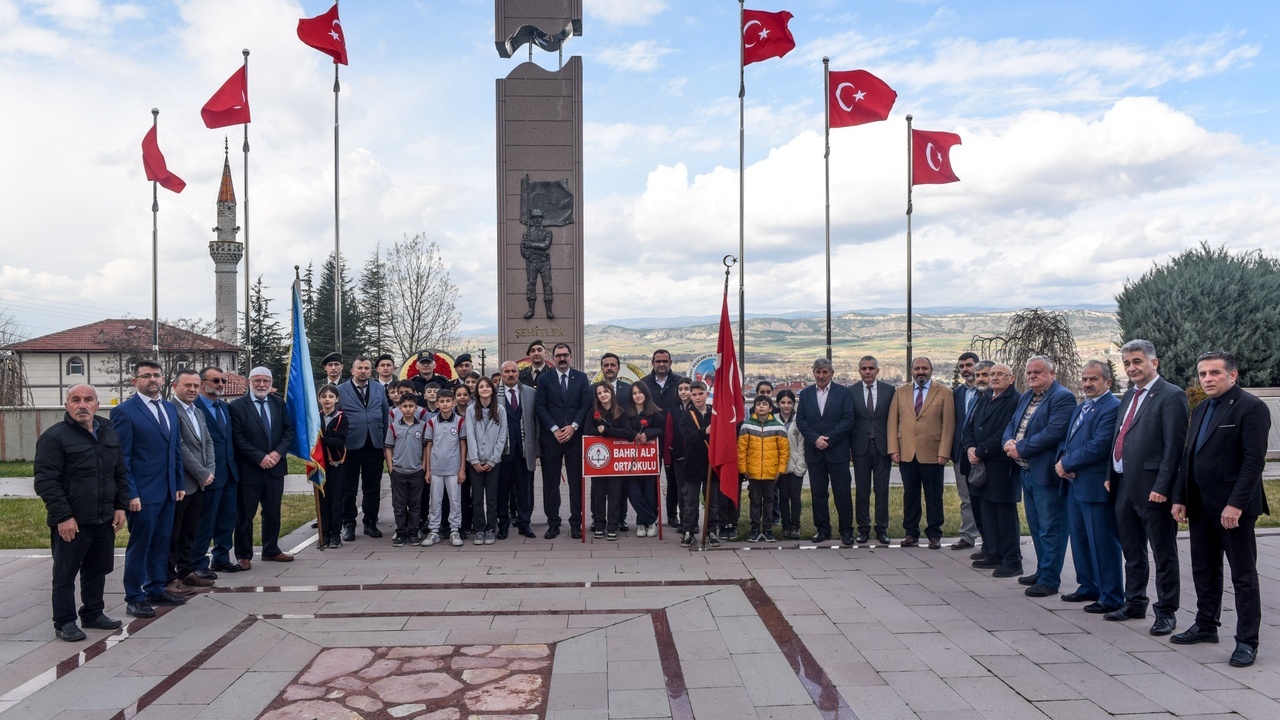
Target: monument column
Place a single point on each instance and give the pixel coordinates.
(539, 173)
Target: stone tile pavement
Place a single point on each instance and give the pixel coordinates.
(635, 629)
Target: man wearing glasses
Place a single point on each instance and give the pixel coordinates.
(218, 513)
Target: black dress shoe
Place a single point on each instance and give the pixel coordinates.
(962, 544)
(372, 531)
(820, 537)
(1243, 656)
(882, 538)
(980, 555)
(501, 535)
(70, 632)
(1125, 613)
(205, 574)
(575, 533)
(1098, 608)
(1195, 634)
(1031, 579)
(846, 540)
(863, 538)
(139, 610)
(1163, 626)
(166, 598)
(935, 543)
(1039, 590)
(526, 532)
(348, 533)
(1078, 596)
(225, 567)
(552, 533)
(986, 563)
(102, 622)
(1004, 572)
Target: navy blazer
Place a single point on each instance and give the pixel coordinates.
(1086, 451)
(1227, 469)
(152, 459)
(836, 422)
(866, 424)
(1047, 429)
(252, 441)
(224, 449)
(958, 394)
(556, 409)
(366, 425)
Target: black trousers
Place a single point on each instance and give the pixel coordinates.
(1209, 542)
(918, 477)
(407, 490)
(672, 498)
(761, 494)
(730, 508)
(332, 499)
(91, 555)
(484, 500)
(267, 494)
(363, 474)
(186, 524)
(1000, 533)
(691, 491)
(833, 473)
(555, 456)
(788, 494)
(515, 490)
(1138, 524)
(871, 475)
(608, 502)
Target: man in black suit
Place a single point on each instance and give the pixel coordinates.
(869, 444)
(964, 395)
(563, 400)
(1219, 493)
(1150, 434)
(825, 417)
(262, 432)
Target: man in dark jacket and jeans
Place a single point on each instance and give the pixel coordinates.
(80, 475)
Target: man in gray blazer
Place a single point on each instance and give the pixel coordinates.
(198, 468)
(515, 473)
(1145, 454)
(364, 403)
(869, 445)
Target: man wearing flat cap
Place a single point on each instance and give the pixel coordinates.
(332, 365)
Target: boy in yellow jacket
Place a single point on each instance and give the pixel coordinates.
(763, 451)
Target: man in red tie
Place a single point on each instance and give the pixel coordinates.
(921, 424)
(1144, 466)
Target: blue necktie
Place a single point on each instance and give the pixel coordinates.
(266, 416)
(1204, 423)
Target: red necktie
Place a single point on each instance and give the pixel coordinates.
(1128, 420)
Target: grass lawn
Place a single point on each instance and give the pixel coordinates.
(23, 468)
(22, 521)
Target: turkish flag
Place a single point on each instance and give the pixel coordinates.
(855, 97)
(727, 409)
(324, 33)
(765, 35)
(230, 105)
(931, 157)
(153, 163)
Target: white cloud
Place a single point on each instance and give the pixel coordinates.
(624, 12)
(640, 56)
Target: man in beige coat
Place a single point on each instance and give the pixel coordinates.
(921, 427)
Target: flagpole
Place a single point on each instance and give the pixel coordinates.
(910, 180)
(826, 167)
(742, 190)
(248, 322)
(337, 246)
(155, 256)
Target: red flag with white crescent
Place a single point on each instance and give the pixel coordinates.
(765, 35)
(931, 157)
(727, 409)
(856, 97)
(324, 33)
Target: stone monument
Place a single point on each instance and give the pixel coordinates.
(539, 166)
(226, 252)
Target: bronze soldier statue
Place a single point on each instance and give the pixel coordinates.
(535, 248)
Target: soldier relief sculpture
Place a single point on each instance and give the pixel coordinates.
(543, 204)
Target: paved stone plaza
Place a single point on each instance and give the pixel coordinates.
(631, 629)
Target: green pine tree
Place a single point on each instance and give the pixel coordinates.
(268, 342)
(320, 331)
(373, 304)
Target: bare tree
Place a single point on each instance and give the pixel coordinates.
(1034, 331)
(421, 299)
(13, 377)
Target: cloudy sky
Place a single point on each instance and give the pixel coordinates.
(1098, 138)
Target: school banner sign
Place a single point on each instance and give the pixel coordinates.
(611, 457)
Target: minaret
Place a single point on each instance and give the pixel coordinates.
(226, 252)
